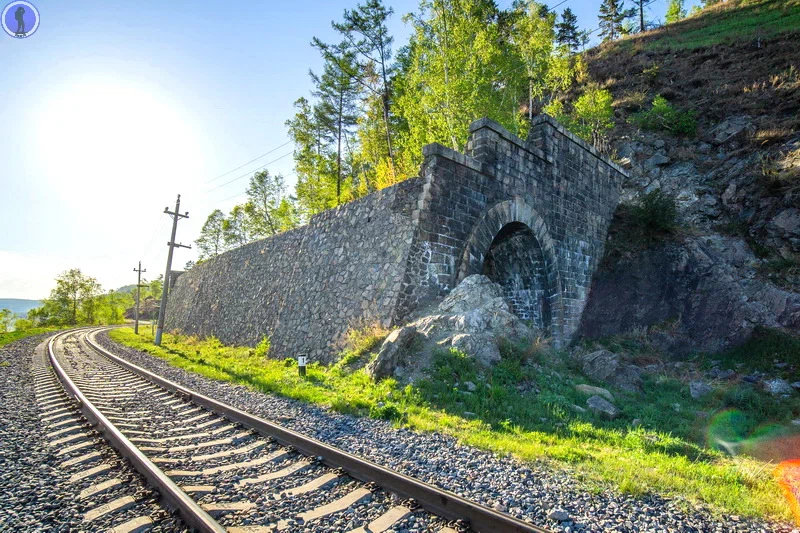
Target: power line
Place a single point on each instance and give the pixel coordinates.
(245, 192)
(250, 172)
(153, 236)
(251, 161)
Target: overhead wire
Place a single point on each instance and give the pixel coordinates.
(251, 161)
(250, 172)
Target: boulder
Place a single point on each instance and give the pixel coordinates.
(698, 389)
(777, 386)
(602, 407)
(599, 391)
(481, 346)
(606, 366)
(392, 351)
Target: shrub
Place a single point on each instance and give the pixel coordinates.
(663, 117)
(656, 213)
(592, 115)
(262, 348)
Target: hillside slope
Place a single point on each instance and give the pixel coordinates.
(733, 262)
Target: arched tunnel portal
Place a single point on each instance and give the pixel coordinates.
(512, 246)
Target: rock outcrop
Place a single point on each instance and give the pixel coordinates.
(471, 318)
(700, 293)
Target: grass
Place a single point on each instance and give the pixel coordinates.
(6, 338)
(522, 406)
(726, 22)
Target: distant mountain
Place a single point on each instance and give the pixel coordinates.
(20, 307)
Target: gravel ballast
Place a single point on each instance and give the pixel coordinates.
(36, 493)
(533, 492)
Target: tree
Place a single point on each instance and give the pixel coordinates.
(367, 41)
(675, 11)
(534, 34)
(567, 32)
(593, 114)
(338, 93)
(612, 16)
(264, 195)
(313, 162)
(72, 301)
(640, 5)
(6, 319)
(212, 238)
(461, 66)
(90, 301)
(235, 229)
(156, 287)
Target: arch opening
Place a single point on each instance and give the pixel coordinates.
(516, 262)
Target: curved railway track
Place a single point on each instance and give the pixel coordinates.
(225, 470)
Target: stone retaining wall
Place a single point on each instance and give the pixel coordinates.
(380, 258)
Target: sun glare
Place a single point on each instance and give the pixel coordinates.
(99, 134)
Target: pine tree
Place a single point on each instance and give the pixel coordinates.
(338, 95)
(612, 17)
(567, 32)
(675, 11)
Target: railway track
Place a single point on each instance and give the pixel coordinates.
(225, 470)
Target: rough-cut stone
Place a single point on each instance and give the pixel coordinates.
(391, 353)
(698, 389)
(606, 366)
(600, 365)
(602, 407)
(530, 214)
(730, 129)
(481, 346)
(591, 390)
(777, 386)
(796, 385)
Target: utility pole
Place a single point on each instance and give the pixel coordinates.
(138, 294)
(172, 245)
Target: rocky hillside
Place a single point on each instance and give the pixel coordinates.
(727, 150)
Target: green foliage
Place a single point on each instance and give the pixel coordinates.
(19, 334)
(592, 115)
(6, 320)
(262, 348)
(78, 299)
(612, 19)
(675, 11)
(211, 242)
(656, 212)
(523, 406)
(663, 117)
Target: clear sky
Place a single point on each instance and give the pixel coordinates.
(113, 107)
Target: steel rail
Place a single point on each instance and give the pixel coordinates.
(438, 501)
(174, 497)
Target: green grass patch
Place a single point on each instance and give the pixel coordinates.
(6, 338)
(524, 406)
(727, 22)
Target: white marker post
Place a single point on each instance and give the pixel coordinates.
(301, 364)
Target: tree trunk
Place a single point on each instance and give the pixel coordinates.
(339, 153)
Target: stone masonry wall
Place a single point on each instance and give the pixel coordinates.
(304, 288)
(382, 257)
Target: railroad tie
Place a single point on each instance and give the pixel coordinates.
(385, 521)
(330, 508)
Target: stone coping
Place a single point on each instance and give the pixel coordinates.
(544, 118)
(508, 136)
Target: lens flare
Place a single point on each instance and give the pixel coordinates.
(788, 476)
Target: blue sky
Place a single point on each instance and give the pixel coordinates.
(113, 107)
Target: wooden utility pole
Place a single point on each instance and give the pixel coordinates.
(172, 245)
(138, 294)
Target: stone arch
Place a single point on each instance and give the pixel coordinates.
(514, 226)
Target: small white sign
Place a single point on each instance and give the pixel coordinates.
(301, 360)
